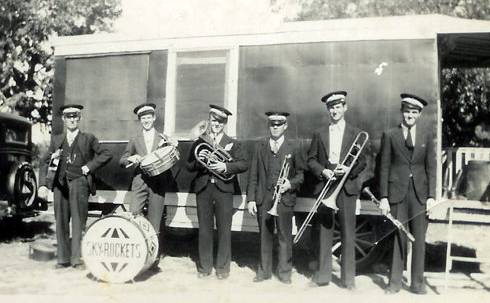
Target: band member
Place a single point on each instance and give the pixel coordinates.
(273, 157)
(214, 196)
(78, 155)
(329, 147)
(407, 185)
(148, 191)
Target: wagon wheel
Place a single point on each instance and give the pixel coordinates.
(366, 249)
(22, 185)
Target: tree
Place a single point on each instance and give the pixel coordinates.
(465, 92)
(26, 56)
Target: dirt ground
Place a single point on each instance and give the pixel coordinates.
(25, 280)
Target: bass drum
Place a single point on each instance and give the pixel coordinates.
(22, 185)
(117, 248)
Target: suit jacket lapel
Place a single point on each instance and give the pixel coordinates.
(264, 153)
(346, 142)
(418, 144)
(325, 136)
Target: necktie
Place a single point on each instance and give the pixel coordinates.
(275, 146)
(408, 140)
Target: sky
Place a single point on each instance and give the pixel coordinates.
(213, 16)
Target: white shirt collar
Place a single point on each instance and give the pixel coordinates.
(339, 125)
(217, 138)
(72, 134)
(279, 141)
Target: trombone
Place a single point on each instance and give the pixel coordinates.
(208, 153)
(283, 175)
(330, 201)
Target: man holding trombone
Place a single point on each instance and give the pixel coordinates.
(334, 154)
(276, 173)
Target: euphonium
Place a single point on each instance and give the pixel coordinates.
(330, 201)
(207, 153)
(283, 175)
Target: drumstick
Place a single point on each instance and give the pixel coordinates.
(129, 165)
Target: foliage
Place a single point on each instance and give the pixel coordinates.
(27, 63)
(330, 9)
(465, 92)
(467, 98)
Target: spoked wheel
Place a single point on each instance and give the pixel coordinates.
(367, 250)
(22, 185)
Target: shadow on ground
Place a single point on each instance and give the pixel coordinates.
(16, 229)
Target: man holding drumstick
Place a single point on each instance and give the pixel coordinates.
(148, 191)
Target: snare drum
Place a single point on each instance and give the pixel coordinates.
(160, 160)
(116, 248)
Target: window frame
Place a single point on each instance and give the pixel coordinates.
(231, 88)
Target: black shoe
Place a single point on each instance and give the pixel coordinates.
(202, 275)
(260, 279)
(419, 290)
(312, 283)
(285, 280)
(61, 265)
(391, 291)
(154, 268)
(78, 266)
(223, 276)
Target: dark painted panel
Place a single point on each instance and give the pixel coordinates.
(58, 93)
(157, 79)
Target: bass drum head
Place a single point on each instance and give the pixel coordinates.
(117, 248)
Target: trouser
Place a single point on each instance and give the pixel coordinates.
(213, 203)
(326, 220)
(283, 223)
(149, 193)
(409, 207)
(70, 201)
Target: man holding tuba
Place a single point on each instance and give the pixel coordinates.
(148, 191)
(216, 158)
(329, 146)
(276, 173)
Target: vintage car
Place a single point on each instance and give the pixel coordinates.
(289, 67)
(18, 185)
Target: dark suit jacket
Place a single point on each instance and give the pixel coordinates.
(137, 146)
(318, 158)
(257, 180)
(238, 165)
(397, 165)
(93, 154)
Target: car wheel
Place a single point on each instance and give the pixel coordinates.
(22, 186)
(367, 249)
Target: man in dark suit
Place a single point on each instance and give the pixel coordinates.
(407, 186)
(148, 190)
(270, 159)
(214, 194)
(78, 156)
(328, 149)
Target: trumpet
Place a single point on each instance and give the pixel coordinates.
(349, 161)
(208, 153)
(283, 175)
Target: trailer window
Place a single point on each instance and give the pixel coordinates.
(108, 87)
(200, 81)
